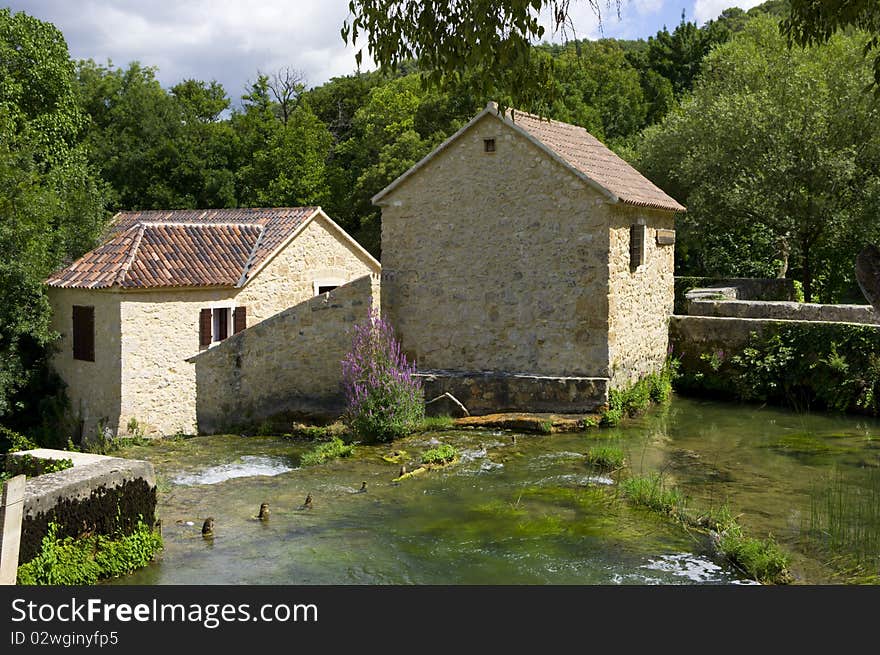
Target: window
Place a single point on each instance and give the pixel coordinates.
(636, 245)
(323, 285)
(326, 289)
(488, 145)
(84, 333)
(217, 323)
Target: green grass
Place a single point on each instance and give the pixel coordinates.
(653, 493)
(435, 423)
(607, 458)
(443, 454)
(326, 451)
(761, 559)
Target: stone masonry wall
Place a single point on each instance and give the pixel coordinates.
(640, 301)
(93, 388)
(497, 261)
(289, 363)
(792, 311)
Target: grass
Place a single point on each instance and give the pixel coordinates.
(436, 423)
(653, 493)
(326, 451)
(762, 559)
(607, 458)
(442, 454)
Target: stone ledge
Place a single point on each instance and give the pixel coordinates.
(523, 422)
(781, 310)
(88, 473)
(493, 392)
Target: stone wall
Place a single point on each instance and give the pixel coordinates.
(92, 387)
(497, 261)
(640, 300)
(288, 364)
(99, 495)
(739, 288)
(791, 311)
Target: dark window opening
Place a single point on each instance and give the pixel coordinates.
(488, 145)
(84, 333)
(636, 246)
(325, 289)
(221, 323)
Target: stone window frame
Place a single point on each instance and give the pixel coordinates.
(326, 282)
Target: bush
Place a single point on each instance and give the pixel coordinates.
(384, 399)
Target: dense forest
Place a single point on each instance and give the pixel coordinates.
(775, 150)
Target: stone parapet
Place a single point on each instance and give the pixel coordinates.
(787, 311)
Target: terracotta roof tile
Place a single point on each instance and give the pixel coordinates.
(585, 153)
(217, 247)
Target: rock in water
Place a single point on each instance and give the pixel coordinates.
(868, 274)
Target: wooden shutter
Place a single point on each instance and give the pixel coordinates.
(636, 246)
(205, 327)
(239, 319)
(84, 333)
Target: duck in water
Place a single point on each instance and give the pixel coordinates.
(308, 503)
(264, 512)
(402, 471)
(363, 488)
(208, 527)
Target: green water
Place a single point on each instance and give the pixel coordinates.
(530, 512)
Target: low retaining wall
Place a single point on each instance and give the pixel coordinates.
(99, 495)
(790, 311)
(745, 288)
(289, 364)
(490, 392)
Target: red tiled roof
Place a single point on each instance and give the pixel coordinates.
(216, 247)
(585, 153)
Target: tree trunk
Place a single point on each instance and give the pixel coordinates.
(784, 252)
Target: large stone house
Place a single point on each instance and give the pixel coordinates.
(526, 266)
(165, 285)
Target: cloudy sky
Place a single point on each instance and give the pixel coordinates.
(230, 40)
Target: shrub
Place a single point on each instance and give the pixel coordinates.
(443, 454)
(33, 466)
(325, 451)
(384, 399)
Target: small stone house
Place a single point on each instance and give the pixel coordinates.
(527, 267)
(166, 285)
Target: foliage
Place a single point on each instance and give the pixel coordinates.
(636, 398)
(761, 114)
(442, 454)
(761, 559)
(11, 441)
(89, 558)
(814, 22)
(606, 457)
(31, 466)
(384, 399)
(833, 365)
(326, 451)
(653, 492)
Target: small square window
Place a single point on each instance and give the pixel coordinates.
(488, 145)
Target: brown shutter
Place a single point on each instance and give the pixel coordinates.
(205, 327)
(636, 245)
(239, 319)
(84, 333)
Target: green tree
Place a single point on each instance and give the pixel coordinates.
(773, 155)
(51, 200)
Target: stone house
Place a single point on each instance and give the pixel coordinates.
(166, 285)
(527, 267)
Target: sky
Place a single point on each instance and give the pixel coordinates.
(231, 40)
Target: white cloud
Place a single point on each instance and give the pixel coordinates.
(706, 10)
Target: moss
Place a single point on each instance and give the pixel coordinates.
(87, 559)
(436, 423)
(326, 451)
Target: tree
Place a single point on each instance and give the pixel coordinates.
(488, 40)
(51, 200)
(286, 85)
(813, 22)
(775, 155)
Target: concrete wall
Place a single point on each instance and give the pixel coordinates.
(497, 261)
(792, 311)
(289, 363)
(92, 387)
(640, 300)
(143, 338)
